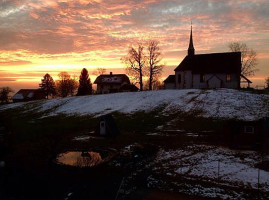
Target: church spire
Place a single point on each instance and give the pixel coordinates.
(191, 50)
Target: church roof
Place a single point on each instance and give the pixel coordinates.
(191, 50)
(229, 62)
(170, 79)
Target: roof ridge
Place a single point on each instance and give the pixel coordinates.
(218, 53)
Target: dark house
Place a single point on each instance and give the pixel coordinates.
(170, 82)
(107, 126)
(113, 83)
(28, 95)
(214, 70)
(249, 134)
(128, 88)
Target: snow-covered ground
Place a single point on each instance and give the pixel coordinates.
(214, 164)
(221, 103)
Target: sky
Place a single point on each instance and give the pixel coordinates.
(38, 36)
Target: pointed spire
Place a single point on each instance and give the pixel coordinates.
(191, 50)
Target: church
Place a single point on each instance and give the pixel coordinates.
(206, 71)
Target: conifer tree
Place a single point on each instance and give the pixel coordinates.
(85, 85)
(47, 85)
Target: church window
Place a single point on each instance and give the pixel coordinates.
(228, 78)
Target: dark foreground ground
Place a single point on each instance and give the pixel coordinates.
(31, 145)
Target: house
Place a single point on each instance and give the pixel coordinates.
(28, 95)
(128, 88)
(113, 83)
(248, 134)
(107, 126)
(170, 82)
(207, 71)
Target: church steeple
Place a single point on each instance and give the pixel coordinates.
(191, 50)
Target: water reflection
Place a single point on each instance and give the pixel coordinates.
(80, 159)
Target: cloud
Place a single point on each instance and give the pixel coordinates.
(8, 79)
(14, 62)
(88, 31)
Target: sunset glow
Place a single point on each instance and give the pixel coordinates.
(38, 37)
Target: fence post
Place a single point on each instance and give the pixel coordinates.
(218, 169)
(258, 179)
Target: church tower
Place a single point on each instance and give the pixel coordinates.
(191, 50)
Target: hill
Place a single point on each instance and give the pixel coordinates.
(221, 103)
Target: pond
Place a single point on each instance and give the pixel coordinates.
(80, 159)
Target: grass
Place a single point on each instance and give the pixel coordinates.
(29, 133)
(34, 141)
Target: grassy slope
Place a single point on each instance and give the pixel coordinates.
(28, 129)
(32, 140)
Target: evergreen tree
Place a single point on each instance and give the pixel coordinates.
(48, 85)
(85, 85)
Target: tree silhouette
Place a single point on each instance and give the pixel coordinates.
(4, 92)
(248, 58)
(66, 86)
(85, 85)
(47, 85)
(135, 62)
(153, 59)
(99, 71)
(267, 82)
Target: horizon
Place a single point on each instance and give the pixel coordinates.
(56, 36)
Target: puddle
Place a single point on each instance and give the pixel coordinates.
(80, 159)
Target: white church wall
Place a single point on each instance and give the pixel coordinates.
(211, 81)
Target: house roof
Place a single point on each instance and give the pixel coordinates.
(245, 78)
(27, 94)
(229, 62)
(170, 79)
(112, 79)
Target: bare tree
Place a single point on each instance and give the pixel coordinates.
(156, 84)
(99, 71)
(66, 86)
(248, 58)
(154, 59)
(135, 63)
(4, 94)
(73, 85)
(267, 82)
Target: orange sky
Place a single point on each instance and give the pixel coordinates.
(51, 36)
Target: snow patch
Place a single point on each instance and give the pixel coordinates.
(221, 103)
(211, 163)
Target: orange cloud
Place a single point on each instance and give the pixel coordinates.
(60, 35)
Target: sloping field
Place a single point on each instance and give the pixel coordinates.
(221, 103)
